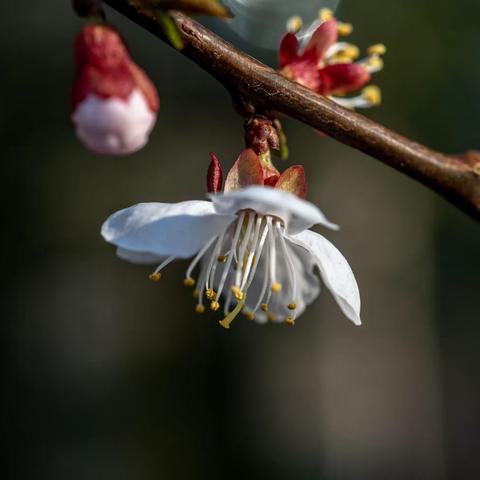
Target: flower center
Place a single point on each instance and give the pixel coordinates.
(250, 259)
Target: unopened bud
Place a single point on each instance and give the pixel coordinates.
(261, 135)
(114, 103)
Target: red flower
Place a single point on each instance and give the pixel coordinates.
(327, 66)
(114, 103)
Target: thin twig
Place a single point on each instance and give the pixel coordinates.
(456, 178)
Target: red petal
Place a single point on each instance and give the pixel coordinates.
(288, 50)
(343, 78)
(246, 171)
(323, 38)
(293, 180)
(214, 175)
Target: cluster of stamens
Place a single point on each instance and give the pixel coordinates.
(345, 52)
(249, 250)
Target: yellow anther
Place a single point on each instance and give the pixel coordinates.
(339, 58)
(237, 293)
(200, 308)
(276, 287)
(222, 258)
(292, 306)
(374, 63)
(250, 316)
(350, 51)
(264, 307)
(189, 282)
(325, 14)
(271, 317)
(196, 294)
(294, 24)
(377, 49)
(210, 294)
(344, 29)
(290, 321)
(155, 277)
(372, 94)
(214, 305)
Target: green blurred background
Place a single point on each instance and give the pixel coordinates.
(108, 376)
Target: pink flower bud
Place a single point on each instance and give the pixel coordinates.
(114, 103)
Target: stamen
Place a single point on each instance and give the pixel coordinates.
(257, 257)
(200, 308)
(197, 258)
(214, 306)
(156, 275)
(266, 279)
(325, 14)
(290, 266)
(225, 323)
(237, 293)
(377, 49)
(275, 286)
(372, 63)
(294, 24)
(271, 317)
(189, 282)
(250, 316)
(228, 263)
(290, 321)
(342, 51)
(344, 29)
(210, 294)
(371, 97)
(372, 94)
(251, 255)
(212, 265)
(243, 248)
(222, 258)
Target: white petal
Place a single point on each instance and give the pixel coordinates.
(114, 126)
(297, 214)
(335, 272)
(140, 258)
(164, 229)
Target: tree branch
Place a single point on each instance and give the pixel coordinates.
(456, 178)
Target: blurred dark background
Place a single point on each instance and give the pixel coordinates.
(108, 376)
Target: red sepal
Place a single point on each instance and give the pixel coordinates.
(214, 175)
(246, 171)
(288, 50)
(293, 180)
(323, 38)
